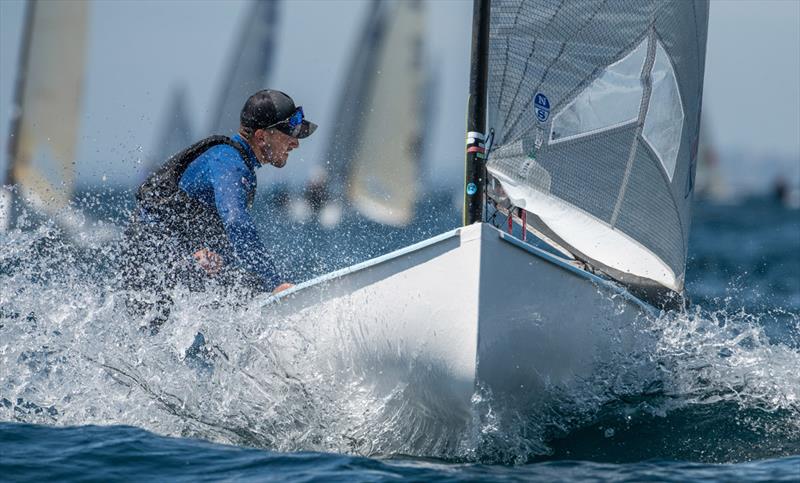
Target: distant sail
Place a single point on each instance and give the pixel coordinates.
(710, 183)
(44, 131)
(176, 132)
(595, 108)
(250, 64)
(374, 151)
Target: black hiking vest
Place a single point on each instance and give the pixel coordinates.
(192, 223)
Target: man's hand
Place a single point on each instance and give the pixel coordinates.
(209, 261)
(282, 287)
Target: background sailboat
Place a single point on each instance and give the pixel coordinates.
(176, 130)
(47, 105)
(373, 159)
(250, 64)
(248, 70)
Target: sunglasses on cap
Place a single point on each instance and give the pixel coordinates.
(293, 123)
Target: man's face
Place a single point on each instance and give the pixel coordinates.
(272, 146)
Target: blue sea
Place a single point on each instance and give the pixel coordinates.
(85, 396)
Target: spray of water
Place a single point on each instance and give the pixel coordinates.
(70, 354)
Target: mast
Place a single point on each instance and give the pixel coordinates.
(475, 169)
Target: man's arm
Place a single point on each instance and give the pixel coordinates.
(230, 197)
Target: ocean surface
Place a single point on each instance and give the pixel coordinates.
(85, 395)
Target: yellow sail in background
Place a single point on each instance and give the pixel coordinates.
(48, 92)
(385, 170)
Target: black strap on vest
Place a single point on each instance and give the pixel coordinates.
(161, 187)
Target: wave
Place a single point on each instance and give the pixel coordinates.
(717, 387)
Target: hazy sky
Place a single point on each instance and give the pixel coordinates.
(139, 50)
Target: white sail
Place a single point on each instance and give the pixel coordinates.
(374, 154)
(595, 108)
(44, 133)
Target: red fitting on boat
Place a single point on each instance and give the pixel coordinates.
(524, 217)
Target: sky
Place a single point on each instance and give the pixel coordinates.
(139, 51)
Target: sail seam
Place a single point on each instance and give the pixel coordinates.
(651, 150)
(547, 70)
(508, 47)
(525, 71)
(647, 89)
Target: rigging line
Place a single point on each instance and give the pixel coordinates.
(505, 64)
(494, 215)
(527, 64)
(547, 70)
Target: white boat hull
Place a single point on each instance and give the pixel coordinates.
(472, 308)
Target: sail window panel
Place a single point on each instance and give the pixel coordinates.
(611, 100)
(663, 125)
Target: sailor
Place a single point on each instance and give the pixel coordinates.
(192, 222)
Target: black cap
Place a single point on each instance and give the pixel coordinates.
(269, 108)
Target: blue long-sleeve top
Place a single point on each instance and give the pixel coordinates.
(221, 178)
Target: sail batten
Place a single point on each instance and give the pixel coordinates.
(595, 108)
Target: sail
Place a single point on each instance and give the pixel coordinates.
(250, 64)
(48, 92)
(375, 149)
(176, 132)
(595, 109)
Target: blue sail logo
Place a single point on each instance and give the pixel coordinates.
(541, 106)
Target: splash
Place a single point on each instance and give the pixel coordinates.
(72, 355)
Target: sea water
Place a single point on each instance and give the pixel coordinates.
(85, 394)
